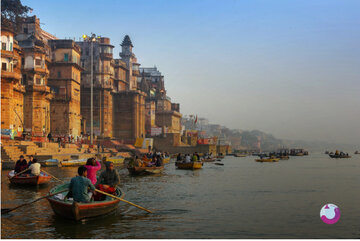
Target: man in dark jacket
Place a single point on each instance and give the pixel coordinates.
(107, 181)
(21, 164)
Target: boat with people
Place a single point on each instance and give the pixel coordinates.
(67, 208)
(28, 179)
(145, 170)
(208, 159)
(271, 159)
(72, 163)
(189, 165)
(339, 154)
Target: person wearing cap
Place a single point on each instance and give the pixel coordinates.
(20, 165)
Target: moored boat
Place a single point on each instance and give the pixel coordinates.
(27, 179)
(145, 170)
(190, 165)
(268, 160)
(356, 152)
(220, 157)
(166, 159)
(240, 155)
(71, 163)
(116, 159)
(67, 208)
(50, 163)
(212, 159)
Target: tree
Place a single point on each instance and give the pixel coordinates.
(12, 12)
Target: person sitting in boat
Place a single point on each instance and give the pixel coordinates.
(336, 153)
(80, 185)
(179, 158)
(107, 182)
(35, 168)
(92, 166)
(187, 158)
(138, 162)
(194, 157)
(198, 156)
(31, 158)
(21, 164)
(158, 161)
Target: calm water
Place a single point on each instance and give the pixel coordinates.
(242, 199)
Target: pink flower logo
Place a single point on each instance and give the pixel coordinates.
(330, 213)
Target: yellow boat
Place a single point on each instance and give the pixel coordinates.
(166, 160)
(268, 160)
(190, 165)
(116, 159)
(72, 163)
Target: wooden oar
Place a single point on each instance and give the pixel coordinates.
(17, 174)
(123, 200)
(57, 179)
(7, 210)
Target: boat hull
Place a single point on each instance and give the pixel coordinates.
(145, 170)
(78, 211)
(338, 156)
(268, 160)
(29, 180)
(74, 163)
(190, 166)
(284, 158)
(116, 160)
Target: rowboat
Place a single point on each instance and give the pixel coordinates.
(220, 157)
(208, 159)
(190, 165)
(71, 163)
(268, 160)
(166, 159)
(284, 157)
(145, 170)
(67, 208)
(116, 159)
(299, 154)
(50, 163)
(339, 156)
(240, 155)
(27, 179)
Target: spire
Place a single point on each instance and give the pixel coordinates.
(127, 41)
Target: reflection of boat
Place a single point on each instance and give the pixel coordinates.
(145, 170)
(116, 159)
(339, 156)
(49, 163)
(73, 210)
(70, 163)
(268, 160)
(27, 179)
(190, 165)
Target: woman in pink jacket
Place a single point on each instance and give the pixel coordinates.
(92, 166)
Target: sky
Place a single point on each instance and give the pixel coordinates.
(289, 68)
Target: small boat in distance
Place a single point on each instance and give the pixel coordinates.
(240, 155)
(67, 208)
(28, 179)
(189, 166)
(356, 152)
(116, 159)
(145, 170)
(268, 160)
(71, 163)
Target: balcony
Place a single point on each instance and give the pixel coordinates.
(106, 55)
(10, 75)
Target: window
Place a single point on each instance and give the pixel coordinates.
(25, 30)
(59, 74)
(11, 47)
(4, 66)
(22, 61)
(11, 67)
(3, 46)
(38, 81)
(66, 57)
(38, 62)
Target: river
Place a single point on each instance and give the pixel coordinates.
(241, 199)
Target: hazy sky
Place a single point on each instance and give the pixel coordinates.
(290, 68)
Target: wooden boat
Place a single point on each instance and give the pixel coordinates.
(212, 159)
(190, 165)
(72, 163)
(283, 157)
(145, 170)
(116, 159)
(77, 211)
(339, 156)
(299, 154)
(220, 157)
(166, 160)
(50, 163)
(268, 160)
(356, 152)
(27, 179)
(240, 155)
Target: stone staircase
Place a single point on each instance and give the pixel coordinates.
(10, 153)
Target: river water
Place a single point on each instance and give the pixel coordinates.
(241, 199)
